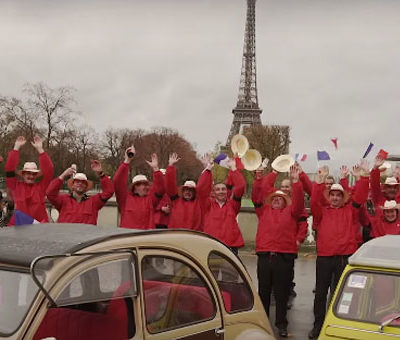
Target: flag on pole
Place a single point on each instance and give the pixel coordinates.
(369, 148)
(334, 141)
(323, 156)
(300, 157)
(22, 218)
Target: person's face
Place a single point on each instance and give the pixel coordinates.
(187, 193)
(141, 188)
(390, 214)
(328, 183)
(29, 177)
(286, 187)
(220, 192)
(278, 202)
(79, 186)
(336, 198)
(391, 191)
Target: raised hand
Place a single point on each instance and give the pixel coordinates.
(153, 162)
(356, 171)
(344, 171)
(207, 161)
(38, 144)
(95, 165)
(129, 153)
(20, 141)
(67, 173)
(294, 173)
(322, 173)
(298, 166)
(364, 168)
(173, 159)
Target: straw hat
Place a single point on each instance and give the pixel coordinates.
(189, 184)
(390, 205)
(80, 177)
(279, 193)
(239, 145)
(337, 187)
(391, 181)
(139, 178)
(29, 167)
(282, 163)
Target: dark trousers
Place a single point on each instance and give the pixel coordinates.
(274, 272)
(328, 272)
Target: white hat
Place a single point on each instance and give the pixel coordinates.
(336, 187)
(189, 184)
(385, 166)
(30, 167)
(390, 205)
(139, 178)
(80, 177)
(163, 171)
(391, 181)
(282, 163)
(239, 145)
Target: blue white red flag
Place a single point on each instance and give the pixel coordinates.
(370, 146)
(323, 156)
(22, 218)
(300, 157)
(222, 159)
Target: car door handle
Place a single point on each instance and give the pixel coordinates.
(219, 331)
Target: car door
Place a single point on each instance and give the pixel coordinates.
(178, 299)
(94, 299)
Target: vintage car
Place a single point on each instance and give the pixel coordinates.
(80, 282)
(366, 304)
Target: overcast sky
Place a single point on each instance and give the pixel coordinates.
(326, 68)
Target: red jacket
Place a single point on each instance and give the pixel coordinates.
(337, 233)
(187, 214)
(381, 227)
(220, 221)
(85, 211)
(279, 229)
(29, 198)
(376, 191)
(137, 212)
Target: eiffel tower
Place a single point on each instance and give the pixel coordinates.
(247, 111)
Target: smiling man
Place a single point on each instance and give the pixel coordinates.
(29, 194)
(77, 206)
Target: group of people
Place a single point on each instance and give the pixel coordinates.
(341, 217)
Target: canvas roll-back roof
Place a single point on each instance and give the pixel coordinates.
(19, 245)
(381, 252)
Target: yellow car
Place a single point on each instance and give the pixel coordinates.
(80, 282)
(366, 303)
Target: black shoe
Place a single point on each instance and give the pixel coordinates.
(283, 332)
(314, 333)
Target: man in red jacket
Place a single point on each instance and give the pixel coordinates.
(77, 207)
(220, 210)
(277, 241)
(137, 202)
(186, 209)
(386, 220)
(336, 239)
(29, 194)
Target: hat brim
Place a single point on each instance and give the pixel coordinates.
(346, 195)
(131, 185)
(397, 207)
(37, 172)
(88, 187)
(282, 163)
(269, 198)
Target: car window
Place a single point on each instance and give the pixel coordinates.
(175, 294)
(17, 291)
(369, 296)
(234, 288)
(95, 305)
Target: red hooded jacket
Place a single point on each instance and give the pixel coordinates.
(337, 234)
(29, 198)
(85, 211)
(220, 220)
(137, 212)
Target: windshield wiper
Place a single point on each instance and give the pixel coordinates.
(389, 321)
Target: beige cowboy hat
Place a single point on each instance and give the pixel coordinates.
(251, 160)
(282, 163)
(29, 167)
(390, 205)
(391, 181)
(189, 184)
(80, 177)
(337, 187)
(279, 193)
(239, 145)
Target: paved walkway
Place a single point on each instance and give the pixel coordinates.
(300, 316)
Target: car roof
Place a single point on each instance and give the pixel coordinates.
(381, 252)
(19, 245)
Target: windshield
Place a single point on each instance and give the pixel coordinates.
(370, 297)
(17, 291)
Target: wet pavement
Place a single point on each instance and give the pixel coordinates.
(300, 316)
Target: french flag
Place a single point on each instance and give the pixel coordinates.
(22, 218)
(300, 157)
